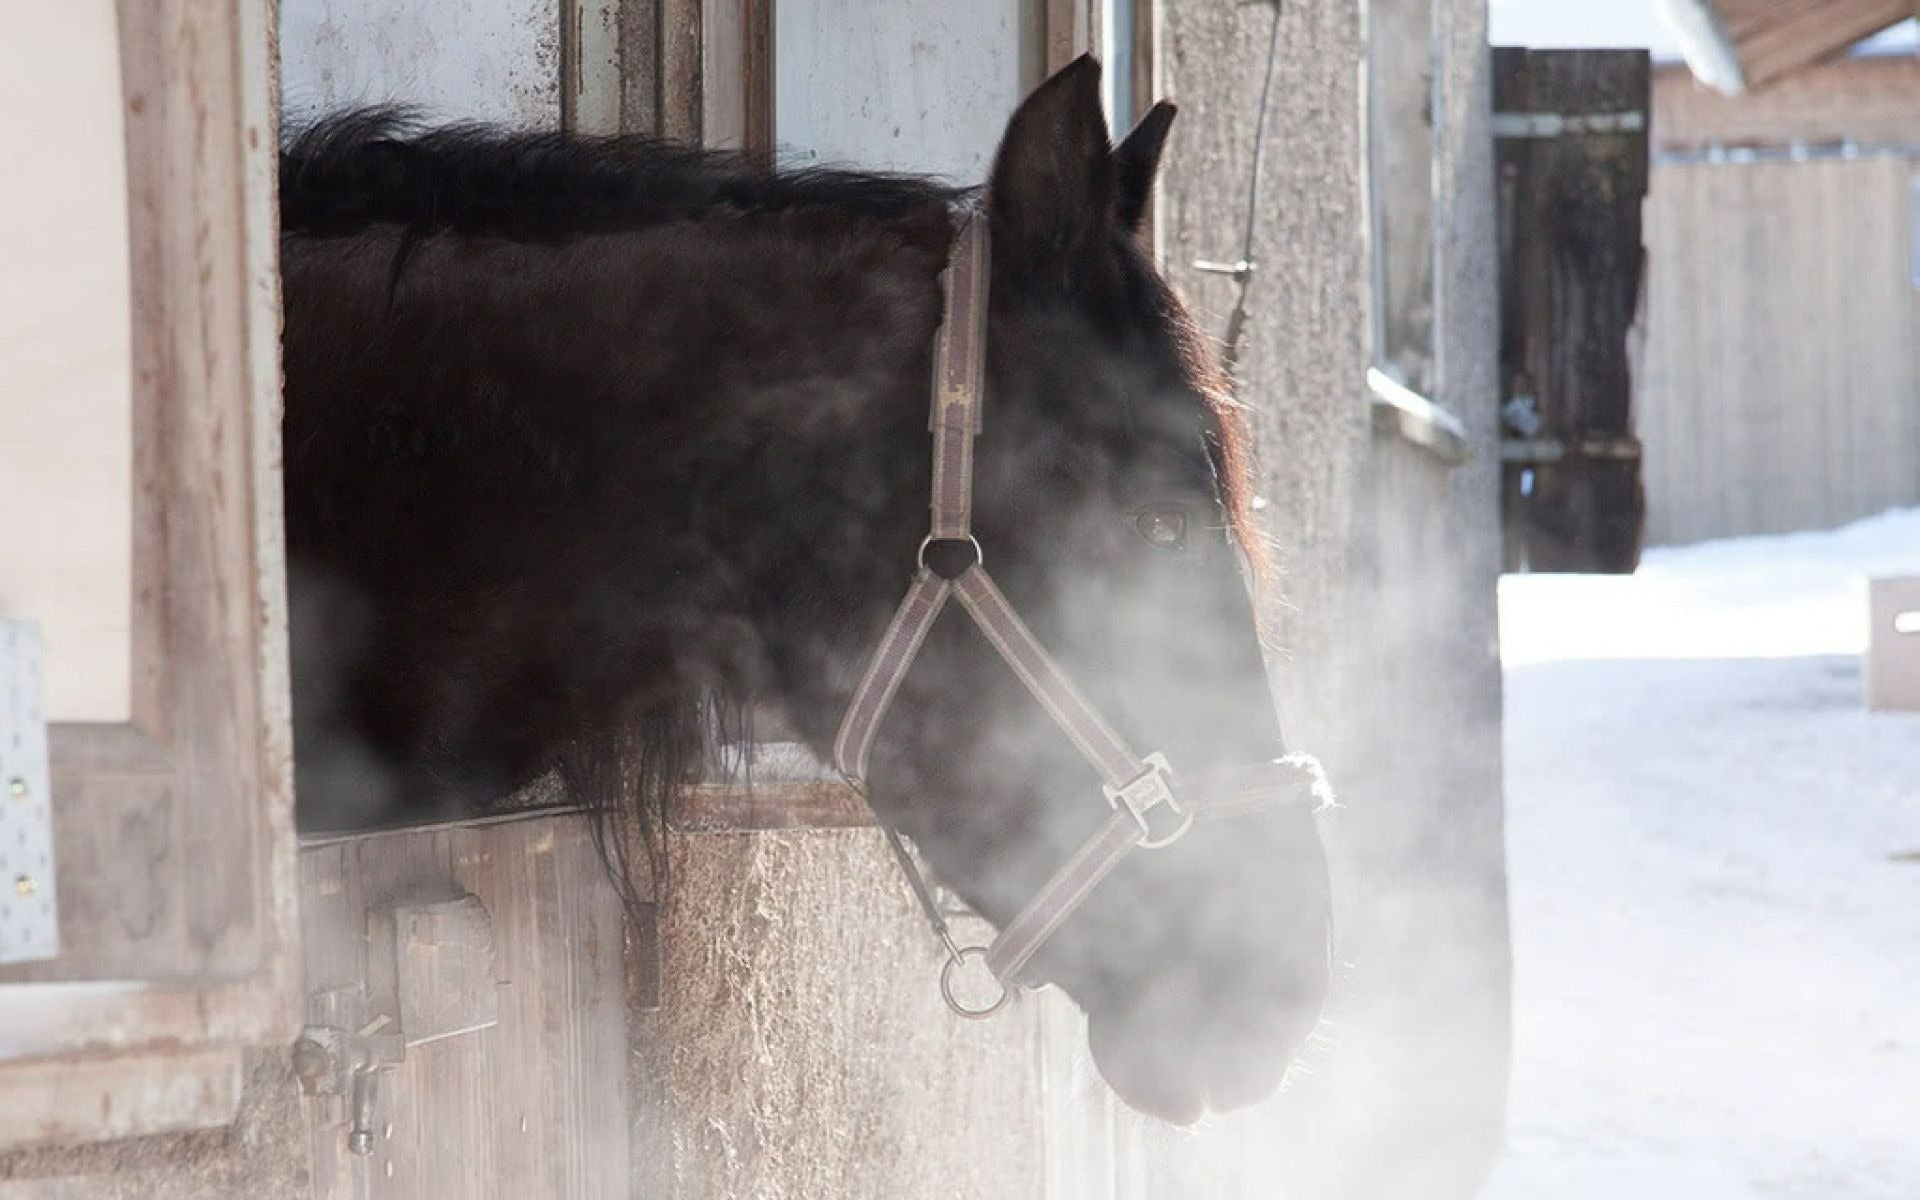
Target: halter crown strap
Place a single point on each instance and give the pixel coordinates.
(1148, 812)
(959, 380)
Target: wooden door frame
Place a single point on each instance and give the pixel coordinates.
(174, 831)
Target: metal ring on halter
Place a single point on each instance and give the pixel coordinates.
(979, 555)
(956, 959)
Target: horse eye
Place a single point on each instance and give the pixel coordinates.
(1164, 527)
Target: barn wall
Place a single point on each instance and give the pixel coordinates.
(1777, 388)
(1388, 565)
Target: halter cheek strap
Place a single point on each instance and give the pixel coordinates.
(1151, 807)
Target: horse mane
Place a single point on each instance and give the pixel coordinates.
(374, 166)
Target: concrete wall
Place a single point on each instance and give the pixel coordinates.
(1388, 562)
(801, 1049)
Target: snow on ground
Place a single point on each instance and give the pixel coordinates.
(1714, 857)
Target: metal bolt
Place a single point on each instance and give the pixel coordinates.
(17, 788)
(23, 886)
(360, 1137)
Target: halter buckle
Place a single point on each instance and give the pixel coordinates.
(1152, 790)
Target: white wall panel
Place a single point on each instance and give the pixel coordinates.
(909, 85)
(66, 434)
(498, 60)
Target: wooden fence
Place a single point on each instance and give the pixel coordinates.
(1777, 387)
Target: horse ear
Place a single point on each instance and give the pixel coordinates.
(1135, 162)
(1052, 183)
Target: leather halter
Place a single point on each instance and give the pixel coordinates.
(1152, 807)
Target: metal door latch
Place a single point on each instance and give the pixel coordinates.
(443, 986)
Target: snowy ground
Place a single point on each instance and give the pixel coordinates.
(1715, 870)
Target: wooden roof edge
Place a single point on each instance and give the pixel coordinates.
(1705, 43)
(1793, 42)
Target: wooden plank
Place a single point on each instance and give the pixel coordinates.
(1145, 90)
(736, 75)
(757, 67)
(592, 89)
(1067, 33)
(535, 1104)
(640, 65)
(724, 809)
(1573, 259)
(1777, 386)
(680, 102)
(96, 1097)
(723, 89)
(1870, 101)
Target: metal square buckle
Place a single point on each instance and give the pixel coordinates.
(1152, 790)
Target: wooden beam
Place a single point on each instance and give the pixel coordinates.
(1735, 45)
(1800, 37)
(1066, 36)
(1571, 263)
(1705, 43)
(710, 808)
(1867, 101)
(678, 104)
(75, 1098)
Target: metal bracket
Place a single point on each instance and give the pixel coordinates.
(1554, 125)
(29, 912)
(443, 987)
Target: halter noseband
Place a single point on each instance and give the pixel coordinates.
(1152, 807)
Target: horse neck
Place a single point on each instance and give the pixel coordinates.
(806, 468)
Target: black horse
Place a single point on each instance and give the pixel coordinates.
(590, 441)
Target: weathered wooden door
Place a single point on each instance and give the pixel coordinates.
(1571, 136)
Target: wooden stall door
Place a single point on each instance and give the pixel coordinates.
(173, 840)
(1571, 138)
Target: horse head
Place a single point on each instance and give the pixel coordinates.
(1112, 506)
